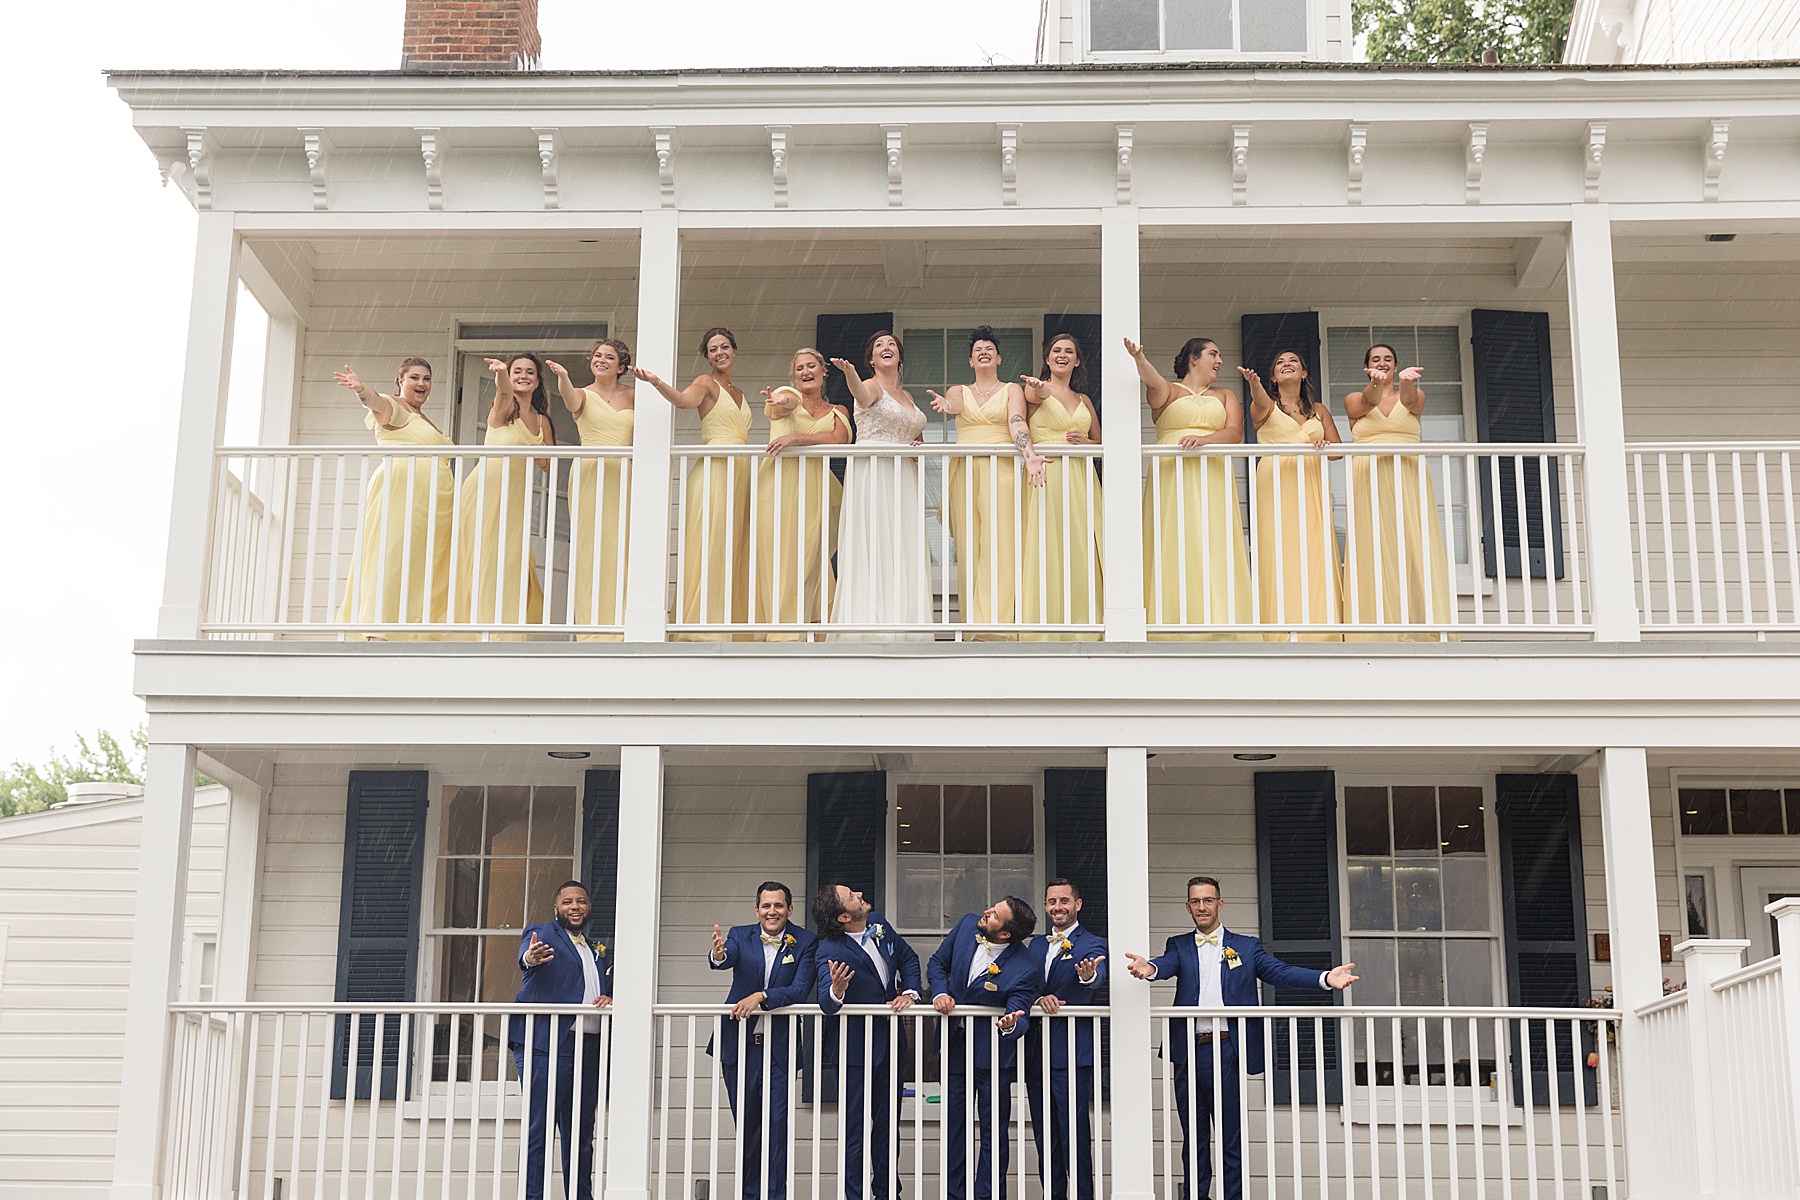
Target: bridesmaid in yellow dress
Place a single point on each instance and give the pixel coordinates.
(981, 494)
(1297, 577)
(600, 489)
(715, 535)
(402, 570)
(1063, 518)
(796, 500)
(1398, 572)
(497, 581)
(1193, 537)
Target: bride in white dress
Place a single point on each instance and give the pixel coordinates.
(883, 567)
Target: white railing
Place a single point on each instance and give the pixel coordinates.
(1663, 1028)
(1757, 1116)
(1430, 541)
(780, 544)
(333, 1100)
(1427, 1101)
(1714, 536)
(452, 543)
(698, 1139)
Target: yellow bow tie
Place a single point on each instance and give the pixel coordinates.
(1206, 939)
(981, 940)
(770, 939)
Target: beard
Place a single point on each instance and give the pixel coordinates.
(571, 926)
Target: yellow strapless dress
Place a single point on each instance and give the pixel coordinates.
(496, 576)
(981, 509)
(600, 519)
(1192, 529)
(1296, 549)
(715, 535)
(1063, 524)
(1397, 571)
(402, 568)
(795, 534)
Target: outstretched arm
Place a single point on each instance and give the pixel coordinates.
(1157, 391)
(1261, 403)
(693, 396)
(1019, 427)
(500, 415)
(372, 400)
(859, 387)
(1411, 394)
(573, 398)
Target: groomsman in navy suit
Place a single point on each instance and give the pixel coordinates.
(771, 965)
(861, 960)
(1215, 968)
(561, 967)
(983, 963)
(1072, 964)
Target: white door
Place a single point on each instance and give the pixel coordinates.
(1760, 887)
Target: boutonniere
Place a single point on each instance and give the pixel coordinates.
(877, 932)
(993, 968)
(1232, 960)
(789, 940)
(1067, 945)
(600, 948)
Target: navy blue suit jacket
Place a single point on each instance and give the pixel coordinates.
(1066, 985)
(791, 981)
(1180, 961)
(1012, 987)
(865, 987)
(556, 981)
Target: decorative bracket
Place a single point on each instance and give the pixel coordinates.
(1596, 150)
(778, 154)
(1009, 164)
(1359, 147)
(199, 166)
(549, 148)
(1713, 150)
(1126, 134)
(431, 148)
(318, 166)
(1240, 164)
(665, 163)
(896, 141)
(1474, 158)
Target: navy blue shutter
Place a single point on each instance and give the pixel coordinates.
(843, 335)
(378, 919)
(1075, 838)
(846, 832)
(599, 867)
(1515, 402)
(1545, 899)
(1297, 901)
(1261, 337)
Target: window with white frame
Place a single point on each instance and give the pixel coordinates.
(1420, 924)
(203, 965)
(1198, 27)
(1740, 811)
(958, 847)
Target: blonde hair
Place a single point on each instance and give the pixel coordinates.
(405, 365)
(822, 360)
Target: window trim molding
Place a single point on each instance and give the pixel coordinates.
(1031, 779)
(1084, 40)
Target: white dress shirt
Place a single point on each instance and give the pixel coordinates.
(1053, 949)
(590, 978)
(866, 939)
(983, 957)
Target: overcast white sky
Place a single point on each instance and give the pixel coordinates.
(99, 259)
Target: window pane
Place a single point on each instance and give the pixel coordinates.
(1278, 25)
(1374, 959)
(1371, 895)
(1415, 820)
(925, 356)
(500, 978)
(505, 907)
(459, 894)
(1345, 346)
(553, 820)
(1403, 338)
(1421, 971)
(540, 890)
(1013, 821)
(1793, 810)
(1703, 811)
(1122, 24)
(965, 890)
(1463, 828)
(1366, 821)
(508, 808)
(462, 820)
(918, 818)
(1466, 893)
(1440, 353)
(456, 969)
(1469, 972)
(1015, 353)
(919, 891)
(1418, 902)
(1010, 875)
(965, 819)
(1755, 810)
(1199, 24)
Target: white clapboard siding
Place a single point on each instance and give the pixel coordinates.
(1688, 31)
(68, 889)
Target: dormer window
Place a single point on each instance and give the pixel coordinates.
(1200, 28)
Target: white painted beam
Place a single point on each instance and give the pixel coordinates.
(903, 263)
(659, 329)
(1540, 260)
(1128, 928)
(636, 953)
(240, 900)
(1121, 424)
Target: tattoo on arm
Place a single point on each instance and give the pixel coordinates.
(1022, 442)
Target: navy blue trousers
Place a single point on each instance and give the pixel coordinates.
(751, 1122)
(577, 1169)
(957, 1096)
(872, 1088)
(1197, 1176)
(1053, 1138)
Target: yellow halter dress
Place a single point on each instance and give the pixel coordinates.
(1193, 537)
(1296, 549)
(795, 535)
(600, 518)
(715, 534)
(402, 568)
(981, 509)
(496, 577)
(1063, 523)
(1397, 571)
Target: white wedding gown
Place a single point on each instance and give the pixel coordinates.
(883, 566)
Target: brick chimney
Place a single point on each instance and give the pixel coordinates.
(490, 34)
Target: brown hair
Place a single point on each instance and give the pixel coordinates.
(1309, 393)
(1190, 350)
(1078, 380)
(619, 348)
(707, 337)
(414, 361)
(540, 399)
(869, 348)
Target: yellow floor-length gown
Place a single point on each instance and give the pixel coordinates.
(981, 509)
(600, 518)
(715, 535)
(496, 573)
(402, 569)
(1396, 570)
(1297, 575)
(795, 534)
(1193, 536)
(1063, 523)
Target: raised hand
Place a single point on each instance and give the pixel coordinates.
(649, 377)
(1250, 377)
(846, 366)
(718, 943)
(944, 1003)
(1084, 970)
(557, 369)
(1412, 374)
(1034, 383)
(538, 952)
(1009, 1022)
(1135, 349)
(1140, 967)
(347, 378)
(841, 975)
(1342, 977)
(748, 1005)
(1377, 374)
(495, 365)
(940, 403)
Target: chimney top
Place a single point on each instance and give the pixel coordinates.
(457, 34)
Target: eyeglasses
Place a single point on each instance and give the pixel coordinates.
(1203, 903)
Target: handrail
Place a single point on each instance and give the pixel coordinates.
(1768, 966)
(1672, 1000)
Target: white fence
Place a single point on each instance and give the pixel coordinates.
(1714, 536)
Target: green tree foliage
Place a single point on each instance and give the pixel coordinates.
(1457, 31)
(27, 788)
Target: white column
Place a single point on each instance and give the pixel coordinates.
(281, 380)
(240, 893)
(1636, 942)
(206, 380)
(1121, 425)
(1128, 920)
(1787, 925)
(1600, 422)
(631, 1102)
(1704, 962)
(659, 326)
(156, 944)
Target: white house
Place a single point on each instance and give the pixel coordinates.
(1594, 760)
